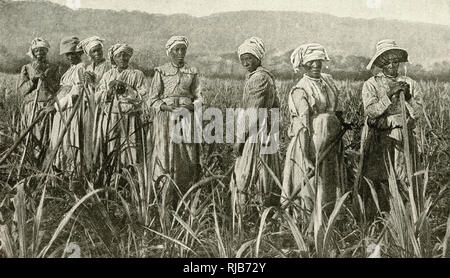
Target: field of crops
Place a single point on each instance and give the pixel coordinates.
(106, 213)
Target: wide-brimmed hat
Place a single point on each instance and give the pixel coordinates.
(387, 45)
(69, 44)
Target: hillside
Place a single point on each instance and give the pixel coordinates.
(217, 34)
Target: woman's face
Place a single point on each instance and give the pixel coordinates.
(390, 63)
(177, 54)
(96, 53)
(122, 59)
(250, 62)
(73, 57)
(313, 68)
(40, 53)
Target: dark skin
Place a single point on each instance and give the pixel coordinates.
(96, 55)
(390, 64)
(122, 60)
(250, 63)
(177, 55)
(73, 58)
(41, 56)
(313, 68)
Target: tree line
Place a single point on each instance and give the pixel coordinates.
(226, 66)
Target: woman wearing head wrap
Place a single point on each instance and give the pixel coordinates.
(250, 176)
(68, 155)
(93, 48)
(380, 95)
(175, 85)
(121, 92)
(98, 66)
(314, 126)
(42, 78)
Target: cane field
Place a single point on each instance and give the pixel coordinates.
(103, 211)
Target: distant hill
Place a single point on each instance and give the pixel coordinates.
(217, 34)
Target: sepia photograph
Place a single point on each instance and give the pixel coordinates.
(207, 129)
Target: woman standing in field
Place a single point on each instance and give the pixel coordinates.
(39, 77)
(93, 48)
(314, 126)
(121, 92)
(68, 154)
(382, 137)
(251, 177)
(175, 85)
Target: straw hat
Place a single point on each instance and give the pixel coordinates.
(387, 45)
(69, 44)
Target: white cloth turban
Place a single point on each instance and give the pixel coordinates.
(35, 43)
(176, 40)
(89, 43)
(117, 48)
(254, 46)
(306, 53)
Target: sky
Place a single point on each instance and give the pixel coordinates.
(429, 11)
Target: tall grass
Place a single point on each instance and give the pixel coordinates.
(113, 212)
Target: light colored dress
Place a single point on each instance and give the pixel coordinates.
(99, 70)
(387, 138)
(121, 124)
(93, 127)
(68, 155)
(47, 90)
(251, 180)
(312, 105)
(180, 160)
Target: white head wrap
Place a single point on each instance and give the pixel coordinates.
(117, 48)
(308, 52)
(35, 43)
(89, 43)
(176, 40)
(254, 46)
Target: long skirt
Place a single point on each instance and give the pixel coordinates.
(179, 161)
(253, 180)
(385, 147)
(68, 156)
(122, 134)
(41, 131)
(325, 128)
